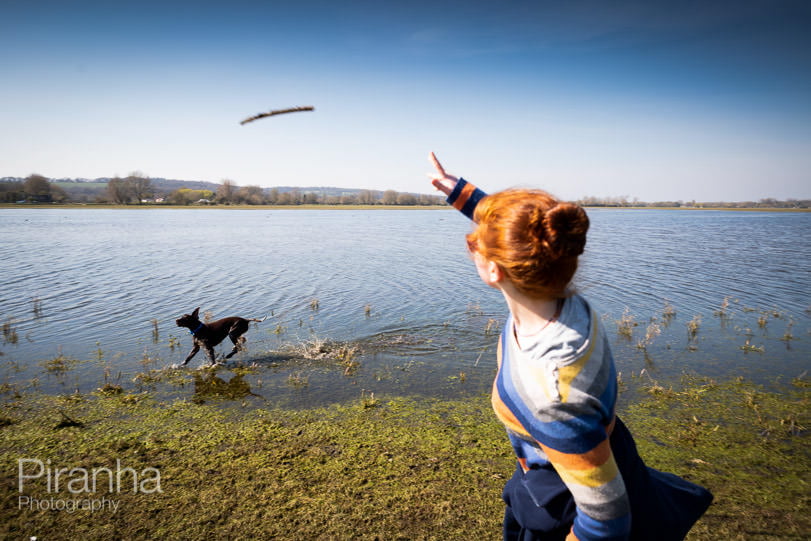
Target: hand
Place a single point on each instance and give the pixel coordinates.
(441, 180)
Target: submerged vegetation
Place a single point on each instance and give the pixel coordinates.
(10, 332)
(234, 463)
(626, 324)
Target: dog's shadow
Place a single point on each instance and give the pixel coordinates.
(208, 385)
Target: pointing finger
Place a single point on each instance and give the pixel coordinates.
(438, 165)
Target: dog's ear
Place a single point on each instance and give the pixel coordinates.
(196, 311)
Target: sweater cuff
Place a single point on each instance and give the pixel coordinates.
(464, 197)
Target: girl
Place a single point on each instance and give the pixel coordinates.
(578, 473)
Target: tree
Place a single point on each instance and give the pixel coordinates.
(11, 192)
(366, 197)
(118, 191)
(139, 186)
(251, 195)
(226, 192)
(406, 199)
(426, 199)
(187, 196)
(58, 195)
(389, 197)
(37, 188)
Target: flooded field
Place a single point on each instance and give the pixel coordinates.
(378, 301)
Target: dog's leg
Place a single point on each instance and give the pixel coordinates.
(238, 341)
(191, 354)
(235, 334)
(212, 358)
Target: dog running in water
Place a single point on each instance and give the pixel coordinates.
(208, 335)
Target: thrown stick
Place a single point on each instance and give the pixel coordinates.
(278, 112)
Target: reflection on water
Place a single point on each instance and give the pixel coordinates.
(103, 287)
(208, 384)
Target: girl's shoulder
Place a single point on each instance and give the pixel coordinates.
(570, 337)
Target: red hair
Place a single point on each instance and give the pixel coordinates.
(534, 238)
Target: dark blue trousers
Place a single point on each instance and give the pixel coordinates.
(663, 506)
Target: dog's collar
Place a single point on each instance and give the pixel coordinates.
(195, 331)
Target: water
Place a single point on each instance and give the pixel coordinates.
(398, 286)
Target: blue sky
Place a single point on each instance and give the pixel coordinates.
(655, 100)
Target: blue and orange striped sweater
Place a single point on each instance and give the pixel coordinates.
(556, 398)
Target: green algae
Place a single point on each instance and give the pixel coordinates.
(394, 468)
(746, 444)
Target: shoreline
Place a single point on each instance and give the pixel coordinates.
(107, 206)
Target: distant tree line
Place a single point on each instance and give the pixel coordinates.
(139, 189)
(34, 189)
(624, 201)
(230, 194)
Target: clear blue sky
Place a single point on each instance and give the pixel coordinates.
(656, 100)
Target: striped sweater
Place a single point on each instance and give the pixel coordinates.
(556, 398)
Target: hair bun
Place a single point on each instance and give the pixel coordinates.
(535, 225)
(566, 225)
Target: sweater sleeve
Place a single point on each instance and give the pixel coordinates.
(592, 476)
(464, 197)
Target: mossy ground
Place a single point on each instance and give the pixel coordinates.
(401, 468)
(749, 446)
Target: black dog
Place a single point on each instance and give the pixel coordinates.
(209, 335)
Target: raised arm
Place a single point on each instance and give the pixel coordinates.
(441, 180)
(462, 195)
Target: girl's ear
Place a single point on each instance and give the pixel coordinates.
(493, 273)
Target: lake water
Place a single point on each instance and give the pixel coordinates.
(395, 286)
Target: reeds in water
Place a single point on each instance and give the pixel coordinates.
(297, 379)
(787, 336)
(626, 324)
(367, 401)
(36, 307)
(59, 365)
(651, 332)
(9, 332)
(668, 313)
(723, 312)
(693, 326)
(749, 347)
